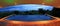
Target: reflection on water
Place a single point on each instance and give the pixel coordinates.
(29, 17)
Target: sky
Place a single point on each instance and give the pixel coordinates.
(27, 7)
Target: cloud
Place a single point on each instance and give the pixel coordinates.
(27, 7)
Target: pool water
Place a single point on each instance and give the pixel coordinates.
(29, 17)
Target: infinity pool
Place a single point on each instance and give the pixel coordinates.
(29, 17)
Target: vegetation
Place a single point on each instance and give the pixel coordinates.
(55, 12)
(32, 12)
(3, 14)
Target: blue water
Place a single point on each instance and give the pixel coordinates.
(29, 17)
